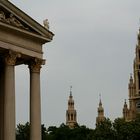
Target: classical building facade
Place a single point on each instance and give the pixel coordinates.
(100, 118)
(130, 112)
(21, 40)
(71, 114)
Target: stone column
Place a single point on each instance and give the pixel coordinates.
(1, 99)
(35, 104)
(9, 96)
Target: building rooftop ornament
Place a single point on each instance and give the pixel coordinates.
(46, 24)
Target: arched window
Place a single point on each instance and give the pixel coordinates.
(72, 117)
(68, 117)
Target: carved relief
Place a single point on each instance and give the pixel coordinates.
(2, 15)
(12, 20)
(35, 64)
(10, 57)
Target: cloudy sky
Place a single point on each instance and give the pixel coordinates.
(92, 50)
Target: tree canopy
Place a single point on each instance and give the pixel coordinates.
(106, 130)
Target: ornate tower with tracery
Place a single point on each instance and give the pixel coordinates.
(71, 115)
(100, 118)
(130, 112)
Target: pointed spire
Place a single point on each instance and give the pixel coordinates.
(100, 108)
(130, 75)
(125, 110)
(138, 37)
(71, 115)
(131, 79)
(71, 91)
(125, 104)
(100, 102)
(100, 116)
(71, 101)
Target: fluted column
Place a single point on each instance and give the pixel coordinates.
(9, 96)
(1, 99)
(35, 103)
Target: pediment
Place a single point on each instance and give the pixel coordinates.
(10, 19)
(12, 16)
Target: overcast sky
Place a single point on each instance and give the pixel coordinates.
(92, 50)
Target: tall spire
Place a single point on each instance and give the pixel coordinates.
(71, 115)
(125, 111)
(138, 36)
(100, 108)
(125, 104)
(100, 116)
(70, 91)
(131, 78)
(131, 86)
(100, 102)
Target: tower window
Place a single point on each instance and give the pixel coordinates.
(71, 116)
(68, 117)
(138, 105)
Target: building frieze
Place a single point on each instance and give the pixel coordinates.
(12, 20)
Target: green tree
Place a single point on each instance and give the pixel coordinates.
(104, 131)
(127, 130)
(23, 131)
(135, 128)
(80, 133)
(44, 132)
(65, 133)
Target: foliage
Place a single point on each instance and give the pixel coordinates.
(106, 130)
(23, 132)
(65, 133)
(127, 130)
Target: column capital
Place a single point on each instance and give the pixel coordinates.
(11, 56)
(35, 64)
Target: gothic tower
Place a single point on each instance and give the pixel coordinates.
(134, 88)
(100, 118)
(71, 115)
(125, 111)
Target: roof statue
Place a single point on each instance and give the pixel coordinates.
(46, 23)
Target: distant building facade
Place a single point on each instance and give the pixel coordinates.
(130, 112)
(100, 118)
(71, 114)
